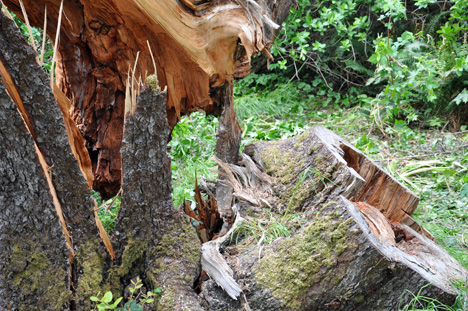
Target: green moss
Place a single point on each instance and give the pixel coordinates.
(153, 82)
(36, 278)
(182, 241)
(302, 137)
(296, 197)
(313, 149)
(299, 262)
(134, 250)
(167, 302)
(285, 165)
(183, 249)
(91, 263)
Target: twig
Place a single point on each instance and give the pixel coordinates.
(57, 36)
(5, 10)
(44, 35)
(113, 201)
(152, 57)
(26, 19)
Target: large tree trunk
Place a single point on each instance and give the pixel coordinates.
(32, 260)
(30, 253)
(197, 46)
(360, 248)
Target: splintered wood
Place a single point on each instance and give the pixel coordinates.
(195, 46)
(208, 222)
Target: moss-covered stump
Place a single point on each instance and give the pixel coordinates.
(356, 251)
(154, 241)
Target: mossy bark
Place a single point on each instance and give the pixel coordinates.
(59, 176)
(154, 241)
(33, 257)
(342, 258)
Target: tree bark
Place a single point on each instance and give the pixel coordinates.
(69, 194)
(155, 241)
(355, 252)
(228, 142)
(197, 46)
(34, 268)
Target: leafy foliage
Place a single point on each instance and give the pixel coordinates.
(135, 302)
(417, 49)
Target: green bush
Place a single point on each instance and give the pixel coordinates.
(410, 55)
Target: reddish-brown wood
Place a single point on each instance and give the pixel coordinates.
(196, 45)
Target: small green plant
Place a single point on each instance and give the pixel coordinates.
(135, 302)
(105, 303)
(107, 210)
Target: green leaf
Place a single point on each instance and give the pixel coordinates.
(461, 98)
(93, 298)
(116, 303)
(107, 297)
(135, 306)
(464, 191)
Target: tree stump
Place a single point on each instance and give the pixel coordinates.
(359, 250)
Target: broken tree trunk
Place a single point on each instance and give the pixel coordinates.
(33, 260)
(198, 46)
(28, 86)
(46, 205)
(227, 148)
(155, 242)
(357, 248)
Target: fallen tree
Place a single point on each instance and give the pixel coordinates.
(356, 247)
(195, 47)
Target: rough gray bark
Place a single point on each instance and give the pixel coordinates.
(345, 257)
(33, 259)
(51, 138)
(155, 241)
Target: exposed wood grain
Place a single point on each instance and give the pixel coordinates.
(197, 46)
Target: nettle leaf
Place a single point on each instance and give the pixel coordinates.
(462, 97)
